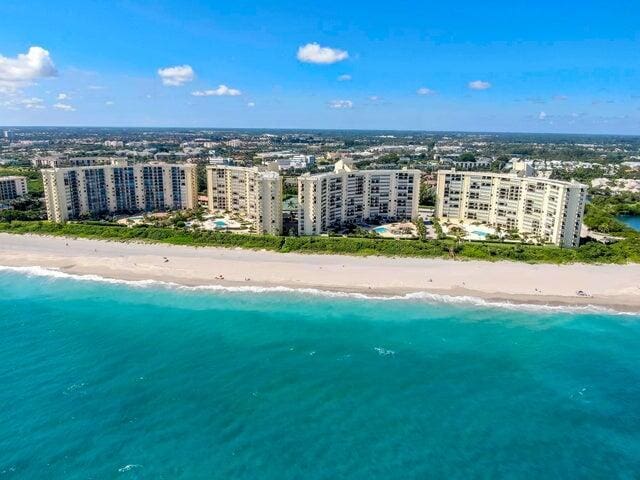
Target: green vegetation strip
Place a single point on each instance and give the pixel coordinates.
(627, 250)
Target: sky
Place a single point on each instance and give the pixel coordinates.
(513, 66)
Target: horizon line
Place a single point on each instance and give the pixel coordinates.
(481, 132)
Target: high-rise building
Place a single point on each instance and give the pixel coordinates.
(8, 135)
(330, 201)
(12, 187)
(54, 161)
(77, 191)
(549, 210)
(254, 193)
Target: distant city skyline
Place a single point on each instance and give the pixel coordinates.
(504, 67)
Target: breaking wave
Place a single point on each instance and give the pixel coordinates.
(36, 271)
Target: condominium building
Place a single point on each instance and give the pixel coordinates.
(255, 193)
(77, 191)
(330, 201)
(12, 187)
(549, 210)
(61, 161)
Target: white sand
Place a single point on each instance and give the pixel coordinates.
(615, 286)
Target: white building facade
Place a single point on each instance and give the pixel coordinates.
(252, 192)
(83, 191)
(12, 187)
(330, 201)
(549, 210)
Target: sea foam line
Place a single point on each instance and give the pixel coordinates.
(37, 271)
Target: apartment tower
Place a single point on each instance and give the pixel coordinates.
(74, 192)
(255, 193)
(346, 196)
(12, 187)
(549, 210)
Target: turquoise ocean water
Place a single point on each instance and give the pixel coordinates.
(101, 381)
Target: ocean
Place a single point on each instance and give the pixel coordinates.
(102, 380)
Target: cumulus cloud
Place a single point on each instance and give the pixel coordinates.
(542, 116)
(479, 85)
(251, 104)
(62, 96)
(221, 91)
(340, 104)
(109, 103)
(24, 69)
(314, 53)
(425, 91)
(344, 78)
(176, 76)
(64, 107)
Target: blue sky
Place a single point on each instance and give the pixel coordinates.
(485, 66)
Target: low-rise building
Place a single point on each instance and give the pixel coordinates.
(459, 163)
(346, 196)
(12, 187)
(296, 162)
(617, 184)
(220, 160)
(548, 210)
(73, 192)
(255, 193)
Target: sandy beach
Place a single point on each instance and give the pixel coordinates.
(613, 286)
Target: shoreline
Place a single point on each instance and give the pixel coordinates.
(615, 287)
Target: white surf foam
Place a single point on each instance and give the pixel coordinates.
(131, 466)
(37, 271)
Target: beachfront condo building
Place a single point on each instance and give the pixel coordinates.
(74, 192)
(346, 196)
(548, 210)
(254, 193)
(12, 187)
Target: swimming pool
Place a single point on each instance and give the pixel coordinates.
(631, 220)
(480, 233)
(381, 230)
(221, 224)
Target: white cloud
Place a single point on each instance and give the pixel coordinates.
(251, 104)
(176, 76)
(64, 107)
(425, 91)
(109, 103)
(340, 104)
(62, 96)
(32, 103)
(479, 85)
(344, 78)
(16, 103)
(542, 116)
(314, 53)
(22, 70)
(221, 91)
(374, 98)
